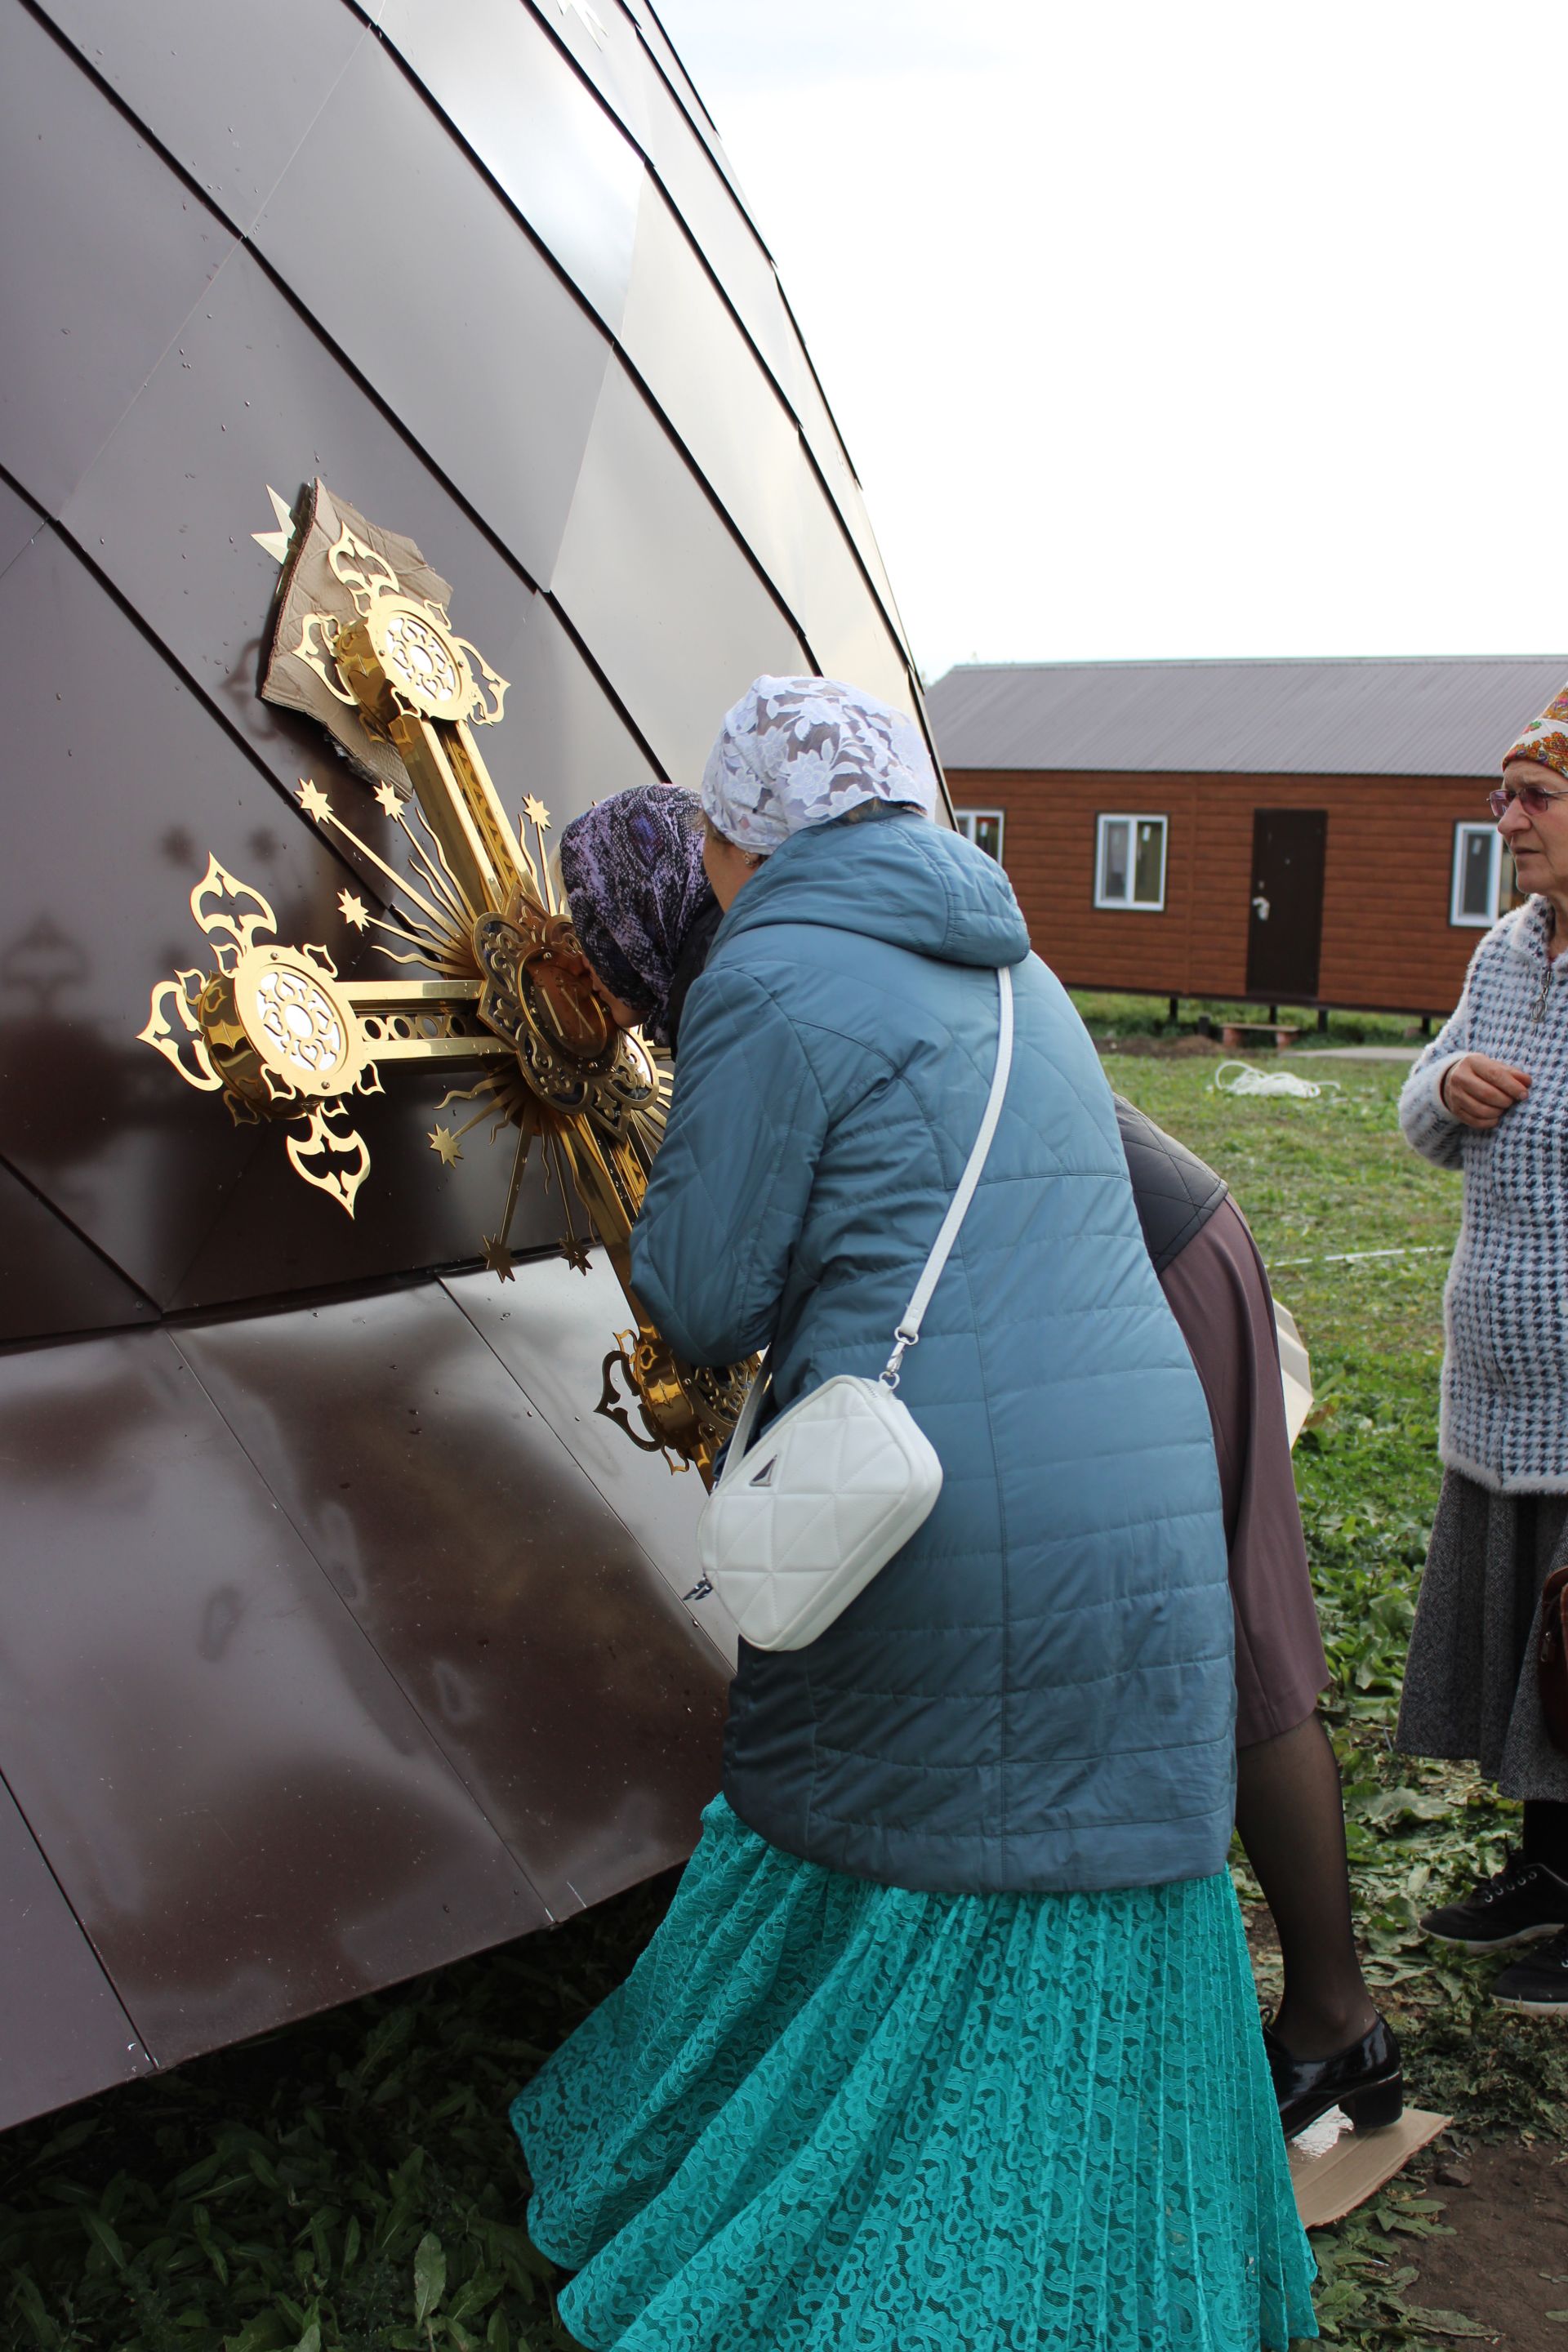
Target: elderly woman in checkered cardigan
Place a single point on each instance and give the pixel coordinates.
(1489, 1095)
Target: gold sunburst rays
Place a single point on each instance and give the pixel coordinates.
(526, 961)
(429, 920)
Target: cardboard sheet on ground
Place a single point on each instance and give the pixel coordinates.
(1295, 1371)
(1331, 2179)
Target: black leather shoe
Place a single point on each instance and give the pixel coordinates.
(1365, 2080)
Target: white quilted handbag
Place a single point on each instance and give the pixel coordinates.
(800, 1522)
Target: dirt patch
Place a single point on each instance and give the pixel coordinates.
(1160, 1049)
(1506, 2265)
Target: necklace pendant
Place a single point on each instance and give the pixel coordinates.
(1538, 1016)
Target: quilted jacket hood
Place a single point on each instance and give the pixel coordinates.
(902, 881)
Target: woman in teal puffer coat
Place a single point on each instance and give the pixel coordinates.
(949, 2038)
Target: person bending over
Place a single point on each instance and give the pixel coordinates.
(949, 2037)
(638, 891)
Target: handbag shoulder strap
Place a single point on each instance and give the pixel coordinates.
(909, 1329)
(741, 1435)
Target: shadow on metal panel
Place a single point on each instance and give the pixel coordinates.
(548, 1334)
(538, 1645)
(239, 1803)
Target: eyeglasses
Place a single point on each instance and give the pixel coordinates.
(1532, 799)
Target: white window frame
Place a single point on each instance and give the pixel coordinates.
(1456, 915)
(963, 819)
(1129, 905)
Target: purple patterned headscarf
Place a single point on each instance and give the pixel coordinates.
(632, 870)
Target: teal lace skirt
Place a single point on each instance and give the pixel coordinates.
(827, 2116)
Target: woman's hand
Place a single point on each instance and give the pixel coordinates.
(1477, 1090)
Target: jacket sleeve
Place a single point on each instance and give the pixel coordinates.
(712, 1248)
(1429, 1128)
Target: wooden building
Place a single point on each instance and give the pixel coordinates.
(1284, 832)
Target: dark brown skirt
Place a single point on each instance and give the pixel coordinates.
(1219, 1295)
(1470, 1679)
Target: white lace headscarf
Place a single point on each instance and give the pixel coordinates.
(795, 752)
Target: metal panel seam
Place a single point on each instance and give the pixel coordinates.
(87, 1241)
(142, 2043)
(43, 524)
(105, 90)
(892, 619)
(429, 1729)
(388, 40)
(632, 1535)
(123, 107)
(766, 578)
(717, 135)
(611, 697)
(188, 678)
(242, 243)
(426, 458)
(454, 132)
(743, 207)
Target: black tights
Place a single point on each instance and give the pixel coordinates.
(1290, 1816)
(1546, 1834)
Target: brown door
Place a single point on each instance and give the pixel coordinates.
(1285, 927)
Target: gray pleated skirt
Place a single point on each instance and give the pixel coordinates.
(1469, 1678)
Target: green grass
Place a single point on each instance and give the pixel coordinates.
(352, 2183)
(1112, 1016)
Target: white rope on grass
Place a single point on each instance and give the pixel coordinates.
(1251, 1080)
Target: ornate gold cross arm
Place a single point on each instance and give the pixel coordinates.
(283, 1037)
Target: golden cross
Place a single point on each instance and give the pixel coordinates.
(508, 1002)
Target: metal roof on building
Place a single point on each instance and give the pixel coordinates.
(1451, 717)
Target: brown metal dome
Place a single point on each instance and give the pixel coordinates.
(338, 1635)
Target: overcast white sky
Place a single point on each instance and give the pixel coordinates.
(1224, 328)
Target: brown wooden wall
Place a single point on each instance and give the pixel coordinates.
(1388, 942)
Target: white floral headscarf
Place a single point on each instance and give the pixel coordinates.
(795, 752)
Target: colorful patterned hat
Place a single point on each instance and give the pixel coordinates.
(1546, 738)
